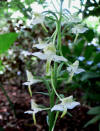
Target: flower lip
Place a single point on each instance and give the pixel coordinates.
(74, 68)
(67, 99)
(30, 79)
(35, 108)
(66, 103)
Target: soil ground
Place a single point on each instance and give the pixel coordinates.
(23, 122)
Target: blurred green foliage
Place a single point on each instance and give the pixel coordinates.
(94, 111)
(6, 40)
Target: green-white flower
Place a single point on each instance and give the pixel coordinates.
(34, 109)
(73, 69)
(66, 103)
(79, 29)
(30, 79)
(49, 54)
(41, 45)
(38, 18)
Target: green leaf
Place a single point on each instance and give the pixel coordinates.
(59, 68)
(6, 40)
(43, 93)
(97, 58)
(29, 1)
(89, 75)
(92, 121)
(89, 35)
(89, 50)
(94, 110)
(65, 50)
(93, 96)
(78, 48)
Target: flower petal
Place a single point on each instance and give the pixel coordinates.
(25, 53)
(29, 112)
(57, 58)
(29, 75)
(37, 21)
(27, 83)
(58, 107)
(73, 68)
(79, 71)
(40, 46)
(40, 55)
(79, 29)
(31, 82)
(71, 105)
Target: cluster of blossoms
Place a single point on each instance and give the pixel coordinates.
(66, 103)
(48, 52)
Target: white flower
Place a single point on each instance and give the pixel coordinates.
(38, 18)
(30, 79)
(41, 45)
(74, 68)
(79, 29)
(49, 53)
(35, 109)
(25, 53)
(74, 19)
(40, 55)
(66, 103)
(49, 56)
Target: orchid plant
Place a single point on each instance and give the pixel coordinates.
(51, 51)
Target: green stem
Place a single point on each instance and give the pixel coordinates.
(52, 96)
(76, 37)
(59, 30)
(30, 91)
(55, 34)
(44, 27)
(34, 118)
(51, 114)
(52, 117)
(57, 114)
(53, 81)
(47, 85)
